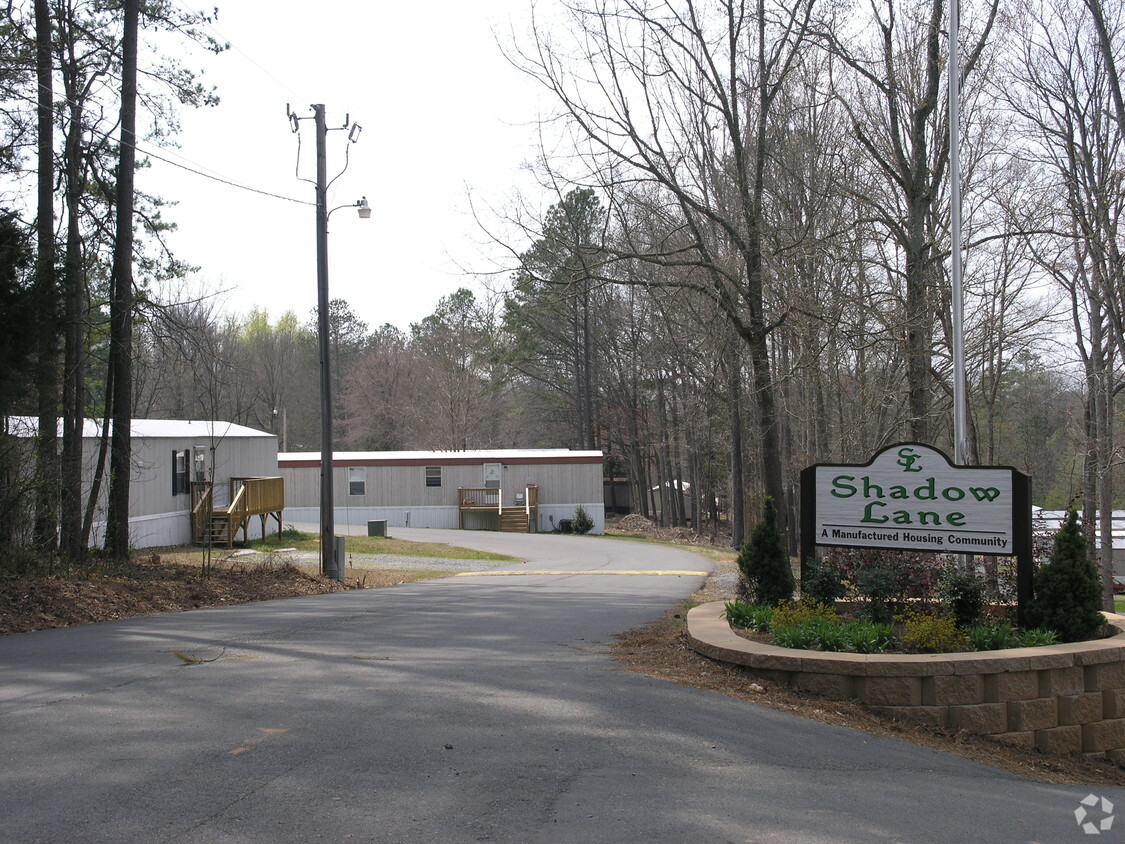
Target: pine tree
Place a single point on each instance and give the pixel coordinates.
(767, 577)
(1068, 593)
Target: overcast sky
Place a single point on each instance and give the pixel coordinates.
(443, 114)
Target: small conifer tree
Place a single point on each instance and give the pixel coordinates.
(767, 577)
(582, 523)
(1068, 592)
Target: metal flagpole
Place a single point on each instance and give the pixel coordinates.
(960, 403)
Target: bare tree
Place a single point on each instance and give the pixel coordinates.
(1059, 84)
(673, 101)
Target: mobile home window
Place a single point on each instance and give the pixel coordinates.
(433, 476)
(180, 472)
(357, 481)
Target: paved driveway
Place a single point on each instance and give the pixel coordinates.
(463, 709)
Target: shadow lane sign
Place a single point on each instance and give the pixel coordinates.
(911, 497)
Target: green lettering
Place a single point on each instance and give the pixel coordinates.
(898, 491)
(871, 490)
(902, 517)
(990, 493)
(956, 519)
(928, 487)
(840, 483)
(928, 517)
(868, 515)
(948, 493)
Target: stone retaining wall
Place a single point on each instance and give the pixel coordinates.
(1058, 698)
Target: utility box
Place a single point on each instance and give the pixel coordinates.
(377, 527)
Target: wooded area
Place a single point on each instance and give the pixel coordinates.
(743, 268)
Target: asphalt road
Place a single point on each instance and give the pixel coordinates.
(463, 709)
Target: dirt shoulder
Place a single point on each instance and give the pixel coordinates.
(159, 583)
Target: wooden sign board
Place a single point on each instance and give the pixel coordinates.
(911, 497)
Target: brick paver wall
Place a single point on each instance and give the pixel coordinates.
(1058, 698)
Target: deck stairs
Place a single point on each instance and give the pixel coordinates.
(514, 520)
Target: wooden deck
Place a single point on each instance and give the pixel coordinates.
(249, 497)
(512, 518)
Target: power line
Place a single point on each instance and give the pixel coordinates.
(221, 180)
(145, 150)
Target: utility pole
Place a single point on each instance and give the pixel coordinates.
(329, 566)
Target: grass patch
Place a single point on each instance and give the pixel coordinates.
(378, 545)
(711, 552)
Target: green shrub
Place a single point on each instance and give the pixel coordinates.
(869, 638)
(792, 613)
(767, 577)
(883, 579)
(961, 593)
(931, 632)
(993, 636)
(582, 523)
(822, 582)
(1000, 635)
(1068, 592)
(752, 616)
(802, 637)
(828, 634)
(1038, 638)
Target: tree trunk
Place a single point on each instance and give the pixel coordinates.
(737, 504)
(47, 384)
(74, 356)
(121, 303)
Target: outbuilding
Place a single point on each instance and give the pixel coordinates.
(501, 489)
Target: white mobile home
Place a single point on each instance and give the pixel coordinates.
(478, 490)
(169, 456)
(1050, 521)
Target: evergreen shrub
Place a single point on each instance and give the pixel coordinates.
(582, 523)
(766, 576)
(1067, 590)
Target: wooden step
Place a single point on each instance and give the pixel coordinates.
(513, 520)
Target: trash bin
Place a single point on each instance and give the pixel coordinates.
(377, 527)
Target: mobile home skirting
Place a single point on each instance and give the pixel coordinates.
(442, 517)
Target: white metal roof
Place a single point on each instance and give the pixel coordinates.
(509, 455)
(1052, 520)
(28, 426)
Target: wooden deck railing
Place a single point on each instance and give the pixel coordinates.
(262, 497)
(491, 500)
(480, 498)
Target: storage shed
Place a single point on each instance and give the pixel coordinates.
(170, 456)
(503, 489)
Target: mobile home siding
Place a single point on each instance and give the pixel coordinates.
(157, 516)
(395, 486)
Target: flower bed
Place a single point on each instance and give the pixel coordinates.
(1066, 698)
